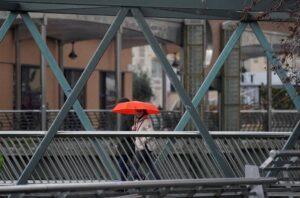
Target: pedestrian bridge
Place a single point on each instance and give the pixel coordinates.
(181, 164)
(99, 161)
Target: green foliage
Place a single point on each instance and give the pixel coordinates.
(1, 162)
(141, 87)
(280, 98)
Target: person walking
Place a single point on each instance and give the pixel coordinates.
(144, 146)
(127, 146)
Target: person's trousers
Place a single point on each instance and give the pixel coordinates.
(143, 157)
(124, 166)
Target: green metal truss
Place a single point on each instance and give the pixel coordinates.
(209, 9)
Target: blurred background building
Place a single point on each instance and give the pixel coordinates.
(242, 90)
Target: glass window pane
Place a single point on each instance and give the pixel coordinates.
(31, 87)
(72, 76)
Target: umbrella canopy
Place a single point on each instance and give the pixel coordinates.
(132, 107)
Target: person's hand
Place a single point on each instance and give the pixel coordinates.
(133, 128)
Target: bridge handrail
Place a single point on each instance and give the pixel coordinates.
(29, 188)
(216, 134)
(109, 110)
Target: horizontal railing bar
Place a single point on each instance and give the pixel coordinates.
(136, 184)
(273, 111)
(290, 168)
(13, 182)
(216, 134)
(109, 110)
(21, 111)
(57, 110)
(51, 110)
(286, 153)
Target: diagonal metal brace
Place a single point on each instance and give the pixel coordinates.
(287, 85)
(7, 24)
(73, 97)
(213, 73)
(207, 82)
(216, 153)
(290, 143)
(277, 64)
(56, 70)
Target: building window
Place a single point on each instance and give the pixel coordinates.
(31, 87)
(156, 71)
(72, 76)
(108, 89)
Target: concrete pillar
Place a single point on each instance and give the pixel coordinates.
(230, 94)
(193, 72)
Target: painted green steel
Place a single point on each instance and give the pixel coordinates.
(235, 5)
(287, 85)
(56, 70)
(219, 158)
(73, 97)
(289, 145)
(112, 11)
(7, 24)
(212, 74)
(276, 64)
(293, 138)
(190, 9)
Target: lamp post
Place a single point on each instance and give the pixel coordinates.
(43, 77)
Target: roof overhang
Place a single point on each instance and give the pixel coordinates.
(192, 9)
(70, 27)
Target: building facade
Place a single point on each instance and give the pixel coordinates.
(98, 93)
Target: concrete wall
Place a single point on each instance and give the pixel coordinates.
(30, 55)
(7, 54)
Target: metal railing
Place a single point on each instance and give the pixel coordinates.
(257, 120)
(281, 120)
(281, 161)
(217, 187)
(73, 156)
(104, 120)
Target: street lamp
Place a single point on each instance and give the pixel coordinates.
(72, 54)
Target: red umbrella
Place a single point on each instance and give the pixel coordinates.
(132, 107)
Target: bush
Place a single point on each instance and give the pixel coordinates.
(1, 162)
(141, 87)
